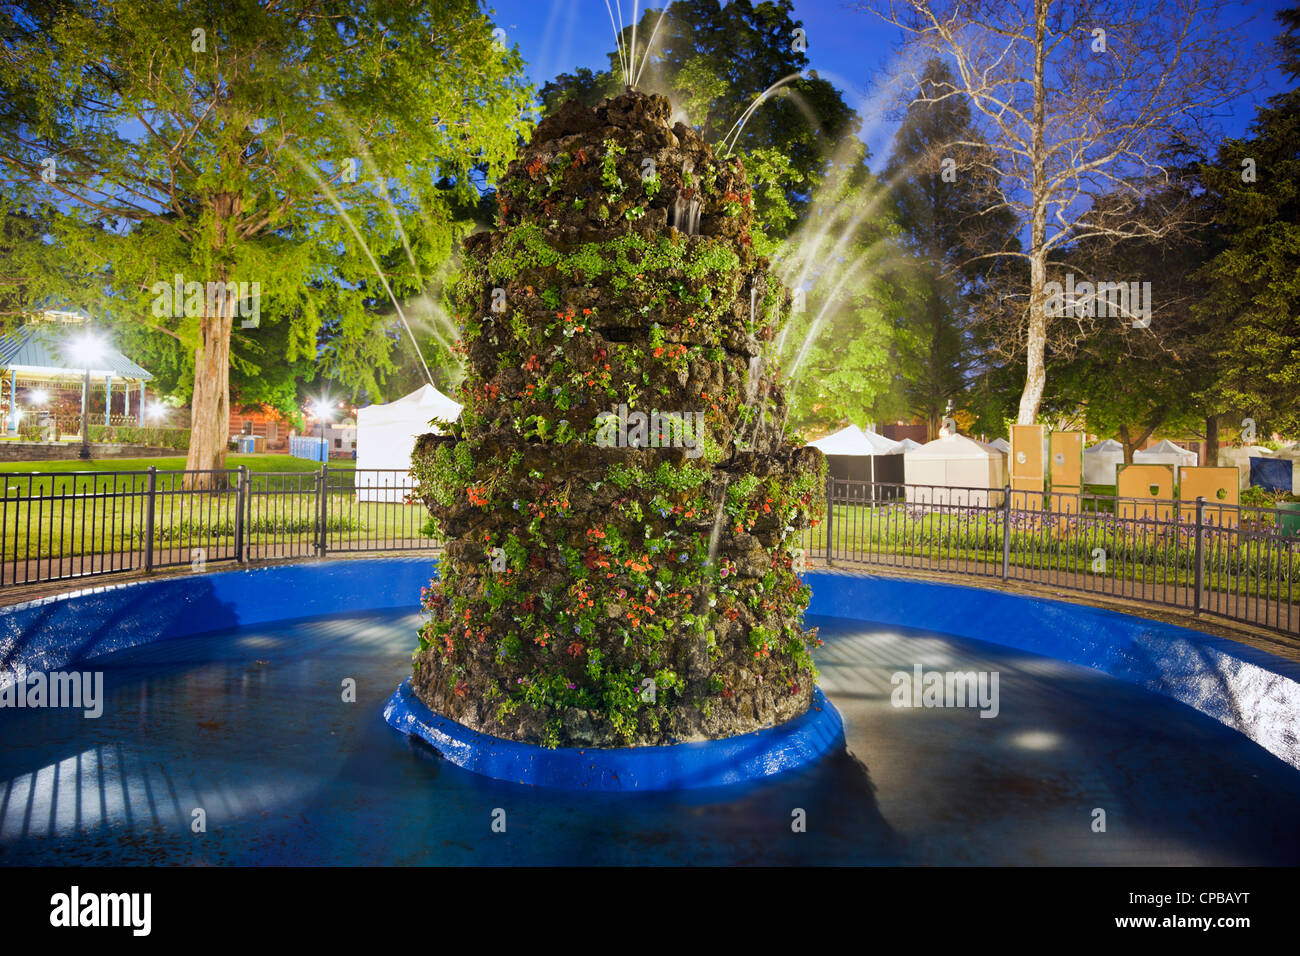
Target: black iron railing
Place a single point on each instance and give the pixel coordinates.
(56, 526)
(1236, 562)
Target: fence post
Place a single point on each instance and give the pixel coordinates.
(1199, 593)
(322, 500)
(151, 485)
(830, 520)
(241, 496)
(1006, 532)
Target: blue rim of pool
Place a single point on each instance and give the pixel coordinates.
(1255, 693)
(706, 763)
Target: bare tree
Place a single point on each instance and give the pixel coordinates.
(1076, 99)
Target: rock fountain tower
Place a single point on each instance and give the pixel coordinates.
(621, 507)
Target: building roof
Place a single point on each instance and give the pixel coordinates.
(39, 347)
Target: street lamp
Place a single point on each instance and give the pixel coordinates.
(85, 350)
(323, 410)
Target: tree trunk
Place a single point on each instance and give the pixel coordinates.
(1130, 444)
(1211, 441)
(1036, 337)
(210, 406)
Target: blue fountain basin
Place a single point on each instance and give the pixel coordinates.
(710, 763)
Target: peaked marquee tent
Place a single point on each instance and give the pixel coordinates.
(1100, 460)
(953, 464)
(386, 437)
(1166, 453)
(856, 455)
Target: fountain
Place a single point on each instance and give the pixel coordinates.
(620, 504)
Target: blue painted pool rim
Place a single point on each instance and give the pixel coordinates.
(1248, 690)
(708, 763)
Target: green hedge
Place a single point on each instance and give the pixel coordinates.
(151, 435)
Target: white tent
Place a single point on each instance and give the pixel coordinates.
(386, 437)
(1002, 445)
(905, 445)
(952, 464)
(854, 455)
(1239, 456)
(1166, 453)
(854, 441)
(1100, 460)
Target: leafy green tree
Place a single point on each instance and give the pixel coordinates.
(838, 350)
(713, 62)
(322, 152)
(1254, 283)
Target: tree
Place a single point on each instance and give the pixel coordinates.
(941, 194)
(1134, 377)
(318, 153)
(1077, 98)
(714, 62)
(851, 277)
(1254, 282)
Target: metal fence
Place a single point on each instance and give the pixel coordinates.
(1237, 562)
(57, 526)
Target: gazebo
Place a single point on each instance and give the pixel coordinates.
(39, 370)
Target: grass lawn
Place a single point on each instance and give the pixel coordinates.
(121, 475)
(254, 463)
(1134, 550)
(67, 507)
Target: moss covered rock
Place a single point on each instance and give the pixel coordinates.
(620, 503)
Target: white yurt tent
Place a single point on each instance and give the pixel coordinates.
(954, 463)
(386, 437)
(1166, 453)
(856, 455)
(1100, 460)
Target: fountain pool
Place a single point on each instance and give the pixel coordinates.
(218, 697)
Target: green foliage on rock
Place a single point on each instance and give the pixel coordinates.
(597, 593)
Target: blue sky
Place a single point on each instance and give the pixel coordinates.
(848, 47)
